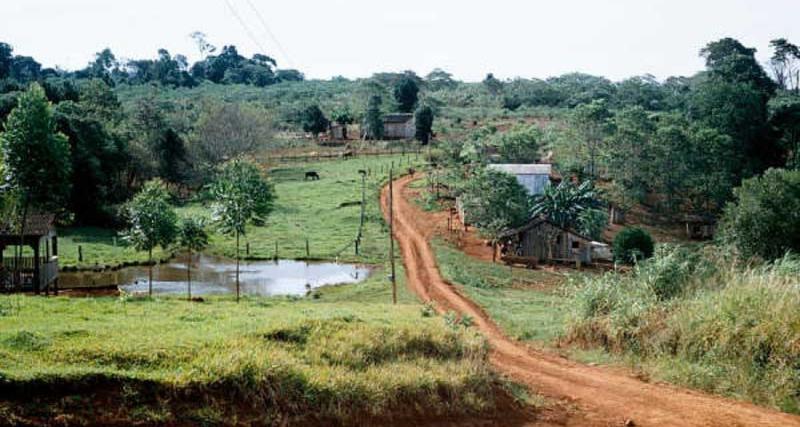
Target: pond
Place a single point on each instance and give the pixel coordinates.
(217, 276)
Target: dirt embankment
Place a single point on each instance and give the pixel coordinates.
(598, 396)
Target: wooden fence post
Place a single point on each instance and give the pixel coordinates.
(80, 253)
(308, 249)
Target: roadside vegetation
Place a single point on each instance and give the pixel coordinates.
(701, 318)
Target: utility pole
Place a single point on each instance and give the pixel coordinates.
(391, 237)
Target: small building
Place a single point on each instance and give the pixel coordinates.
(339, 132)
(542, 240)
(38, 267)
(399, 126)
(700, 227)
(534, 177)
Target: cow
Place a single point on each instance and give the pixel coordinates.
(312, 175)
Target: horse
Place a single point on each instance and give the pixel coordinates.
(312, 175)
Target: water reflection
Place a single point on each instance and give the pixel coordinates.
(214, 276)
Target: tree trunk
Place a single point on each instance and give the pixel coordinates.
(237, 266)
(189, 276)
(150, 273)
(18, 252)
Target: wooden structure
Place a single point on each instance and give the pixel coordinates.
(339, 132)
(399, 126)
(700, 227)
(37, 269)
(544, 241)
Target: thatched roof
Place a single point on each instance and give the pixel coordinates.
(36, 224)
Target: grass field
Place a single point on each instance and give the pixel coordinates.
(516, 300)
(345, 357)
(326, 212)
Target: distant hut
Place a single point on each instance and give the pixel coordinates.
(38, 269)
(534, 177)
(399, 126)
(338, 132)
(542, 241)
(700, 227)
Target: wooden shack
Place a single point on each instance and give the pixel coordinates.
(399, 126)
(339, 132)
(37, 269)
(543, 241)
(534, 177)
(700, 227)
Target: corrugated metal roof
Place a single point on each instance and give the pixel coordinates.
(36, 224)
(523, 169)
(397, 117)
(534, 177)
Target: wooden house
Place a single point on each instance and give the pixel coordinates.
(399, 126)
(339, 132)
(37, 269)
(542, 241)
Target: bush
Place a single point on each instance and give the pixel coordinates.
(762, 220)
(632, 244)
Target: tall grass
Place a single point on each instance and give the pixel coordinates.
(701, 319)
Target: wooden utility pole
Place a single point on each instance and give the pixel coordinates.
(391, 237)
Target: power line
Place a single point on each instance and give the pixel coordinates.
(270, 33)
(250, 34)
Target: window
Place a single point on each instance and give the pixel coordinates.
(576, 244)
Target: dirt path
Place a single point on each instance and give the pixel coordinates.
(602, 397)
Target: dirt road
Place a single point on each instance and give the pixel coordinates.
(602, 397)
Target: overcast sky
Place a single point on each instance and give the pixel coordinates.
(355, 38)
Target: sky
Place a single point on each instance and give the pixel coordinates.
(356, 38)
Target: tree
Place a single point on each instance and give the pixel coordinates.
(424, 123)
(439, 79)
(730, 60)
(762, 219)
(192, 238)
(632, 245)
(35, 159)
(313, 120)
(785, 64)
(592, 124)
(629, 153)
(495, 201)
(563, 204)
(373, 119)
(227, 130)
(153, 222)
(241, 196)
(784, 112)
(405, 93)
(519, 145)
(493, 85)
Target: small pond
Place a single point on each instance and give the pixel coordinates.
(217, 276)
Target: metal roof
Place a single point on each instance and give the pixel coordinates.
(397, 117)
(534, 177)
(36, 224)
(523, 169)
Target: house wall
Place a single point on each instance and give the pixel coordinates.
(536, 242)
(399, 130)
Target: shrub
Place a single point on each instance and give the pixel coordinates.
(632, 244)
(762, 220)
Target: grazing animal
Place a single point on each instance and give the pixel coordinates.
(362, 172)
(312, 175)
(347, 155)
(412, 171)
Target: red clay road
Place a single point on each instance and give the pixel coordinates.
(602, 397)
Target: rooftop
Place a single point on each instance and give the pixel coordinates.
(524, 169)
(397, 117)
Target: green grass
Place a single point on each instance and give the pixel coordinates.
(514, 299)
(346, 357)
(310, 210)
(700, 319)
